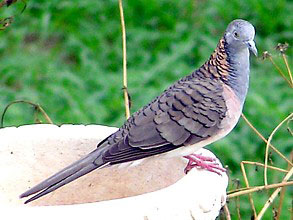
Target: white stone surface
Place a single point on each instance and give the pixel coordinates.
(155, 189)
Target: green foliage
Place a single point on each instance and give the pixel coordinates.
(67, 56)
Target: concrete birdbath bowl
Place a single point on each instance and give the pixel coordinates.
(154, 189)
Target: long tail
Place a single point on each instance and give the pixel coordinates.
(68, 174)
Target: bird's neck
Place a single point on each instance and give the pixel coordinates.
(238, 78)
(230, 66)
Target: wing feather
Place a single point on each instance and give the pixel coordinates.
(188, 112)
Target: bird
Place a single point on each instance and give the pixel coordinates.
(194, 112)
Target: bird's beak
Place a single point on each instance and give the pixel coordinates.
(251, 46)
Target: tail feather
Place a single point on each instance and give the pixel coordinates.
(68, 174)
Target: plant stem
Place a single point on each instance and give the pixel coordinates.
(125, 91)
(265, 140)
(282, 194)
(280, 71)
(247, 185)
(268, 145)
(274, 195)
(259, 188)
(288, 69)
(36, 106)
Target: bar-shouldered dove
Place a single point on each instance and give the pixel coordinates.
(195, 111)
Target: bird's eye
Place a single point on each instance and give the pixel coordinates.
(236, 34)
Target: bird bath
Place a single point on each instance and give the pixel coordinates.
(154, 189)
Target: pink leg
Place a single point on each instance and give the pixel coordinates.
(198, 160)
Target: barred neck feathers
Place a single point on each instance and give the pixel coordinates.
(230, 66)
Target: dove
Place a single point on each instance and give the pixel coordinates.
(194, 112)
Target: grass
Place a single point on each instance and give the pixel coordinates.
(67, 57)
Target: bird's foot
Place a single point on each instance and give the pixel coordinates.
(207, 163)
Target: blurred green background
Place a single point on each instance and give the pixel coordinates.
(67, 56)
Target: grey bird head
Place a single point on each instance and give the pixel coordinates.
(240, 35)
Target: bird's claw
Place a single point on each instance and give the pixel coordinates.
(204, 162)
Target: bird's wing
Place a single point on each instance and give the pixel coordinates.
(188, 112)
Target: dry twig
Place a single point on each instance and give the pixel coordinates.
(227, 212)
(282, 48)
(247, 185)
(275, 193)
(268, 145)
(36, 106)
(244, 191)
(265, 140)
(282, 194)
(125, 90)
